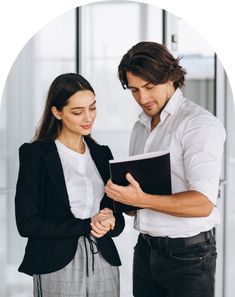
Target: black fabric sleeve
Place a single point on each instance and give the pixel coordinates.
(30, 222)
(119, 226)
(110, 203)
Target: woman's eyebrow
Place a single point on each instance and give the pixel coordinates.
(79, 107)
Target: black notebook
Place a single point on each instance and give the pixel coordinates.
(151, 170)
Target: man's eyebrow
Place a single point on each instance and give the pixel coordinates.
(80, 107)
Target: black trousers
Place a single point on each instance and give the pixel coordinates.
(165, 267)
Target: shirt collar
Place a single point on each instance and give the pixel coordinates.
(169, 109)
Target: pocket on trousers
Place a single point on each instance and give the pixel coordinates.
(211, 266)
(187, 254)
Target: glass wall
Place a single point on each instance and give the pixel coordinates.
(107, 31)
(229, 208)
(199, 61)
(104, 39)
(49, 53)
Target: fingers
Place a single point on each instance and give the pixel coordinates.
(115, 191)
(110, 186)
(106, 211)
(97, 235)
(103, 222)
(112, 191)
(108, 222)
(98, 228)
(109, 182)
(131, 180)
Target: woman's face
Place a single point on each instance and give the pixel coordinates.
(78, 116)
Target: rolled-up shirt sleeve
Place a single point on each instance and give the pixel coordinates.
(203, 142)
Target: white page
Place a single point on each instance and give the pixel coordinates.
(140, 157)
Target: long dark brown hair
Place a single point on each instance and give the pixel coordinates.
(61, 89)
(152, 62)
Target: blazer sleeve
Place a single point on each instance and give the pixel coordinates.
(30, 222)
(110, 203)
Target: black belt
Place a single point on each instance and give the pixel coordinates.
(168, 242)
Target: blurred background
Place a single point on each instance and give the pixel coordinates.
(91, 40)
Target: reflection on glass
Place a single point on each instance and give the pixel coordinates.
(199, 61)
(108, 30)
(50, 52)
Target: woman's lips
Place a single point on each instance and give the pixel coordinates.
(86, 126)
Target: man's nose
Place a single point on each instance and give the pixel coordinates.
(143, 97)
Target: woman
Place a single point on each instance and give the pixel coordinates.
(60, 202)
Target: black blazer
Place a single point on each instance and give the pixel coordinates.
(43, 212)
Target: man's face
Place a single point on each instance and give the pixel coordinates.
(152, 98)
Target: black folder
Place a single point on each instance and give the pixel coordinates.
(151, 170)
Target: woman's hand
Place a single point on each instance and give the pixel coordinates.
(102, 222)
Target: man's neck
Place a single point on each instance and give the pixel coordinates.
(155, 121)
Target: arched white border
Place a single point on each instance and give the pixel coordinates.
(20, 20)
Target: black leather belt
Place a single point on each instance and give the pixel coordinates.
(165, 242)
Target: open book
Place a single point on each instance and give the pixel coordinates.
(151, 170)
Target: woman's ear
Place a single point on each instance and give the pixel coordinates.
(56, 113)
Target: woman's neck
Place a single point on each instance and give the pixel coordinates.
(74, 142)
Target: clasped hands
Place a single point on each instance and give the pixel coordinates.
(132, 194)
(102, 222)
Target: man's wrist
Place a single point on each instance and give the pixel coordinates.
(145, 200)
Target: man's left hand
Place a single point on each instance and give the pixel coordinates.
(130, 195)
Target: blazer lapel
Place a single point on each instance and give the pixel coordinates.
(55, 170)
(100, 158)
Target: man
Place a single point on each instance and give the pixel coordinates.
(175, 254)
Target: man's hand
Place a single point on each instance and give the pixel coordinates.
(130, 195)
(102, 222)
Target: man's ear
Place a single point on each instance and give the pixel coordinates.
(170, 83)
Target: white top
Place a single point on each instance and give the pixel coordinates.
(194, 138)
(84, 184)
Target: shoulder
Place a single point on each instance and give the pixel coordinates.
(29, 147)
(36, 149)
(35, 146)
(92, 143)
(95, 146)
(197, 117)
(189, 109)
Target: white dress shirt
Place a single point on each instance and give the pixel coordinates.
(84, 184)
(194, 138)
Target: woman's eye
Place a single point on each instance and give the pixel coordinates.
(93, 108)
(77, 113)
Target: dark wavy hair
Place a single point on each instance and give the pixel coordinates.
(61, 89)
(152, 62)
